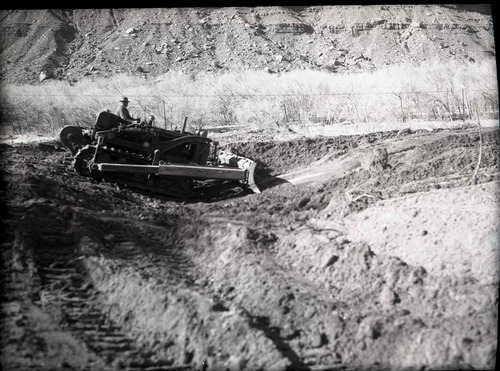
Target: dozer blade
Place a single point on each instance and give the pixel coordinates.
(232, 167)
(243, 163)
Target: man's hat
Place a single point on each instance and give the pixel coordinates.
(124, 99)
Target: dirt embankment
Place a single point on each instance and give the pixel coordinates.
(335, 265)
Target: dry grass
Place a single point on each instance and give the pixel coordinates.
(259, 99)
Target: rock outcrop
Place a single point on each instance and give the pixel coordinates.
(103, 42)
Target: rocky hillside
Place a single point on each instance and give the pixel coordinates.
(73, 44)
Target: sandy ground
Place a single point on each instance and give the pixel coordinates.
(335, 265)
(445, 231)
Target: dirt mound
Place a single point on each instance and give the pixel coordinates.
(328, 268)
(72, 44)
(278, 157)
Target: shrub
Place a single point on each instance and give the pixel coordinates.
(398, 93)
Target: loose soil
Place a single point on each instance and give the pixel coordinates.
(335, 265)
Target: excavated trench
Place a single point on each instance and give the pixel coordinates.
(100, 276)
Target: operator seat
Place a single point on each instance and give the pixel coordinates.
(107, 121)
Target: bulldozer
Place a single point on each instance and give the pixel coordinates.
(150, 158)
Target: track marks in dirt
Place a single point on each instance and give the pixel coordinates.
(128, 295)
(27, 288)
(247, 281)
(69, 292)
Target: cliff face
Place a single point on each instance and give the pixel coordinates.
(73, 44)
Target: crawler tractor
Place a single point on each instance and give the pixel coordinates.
(154, 159)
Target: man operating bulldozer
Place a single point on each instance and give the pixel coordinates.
(122, 111)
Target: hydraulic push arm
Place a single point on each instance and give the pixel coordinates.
(232, 167)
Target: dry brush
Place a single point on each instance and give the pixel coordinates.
(258, 99)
